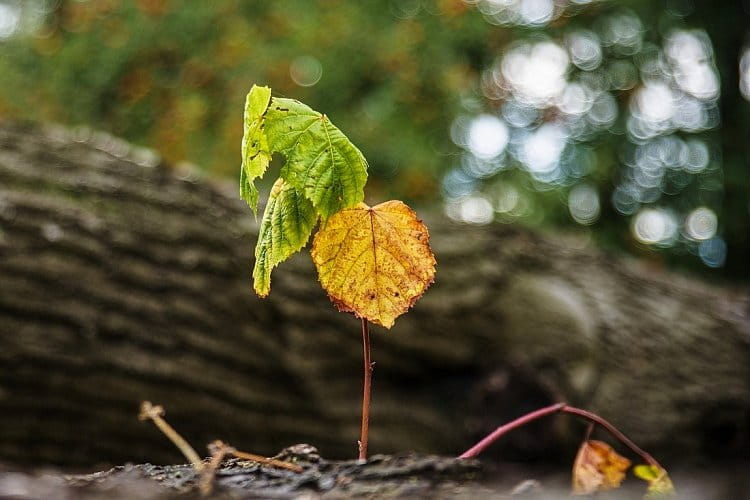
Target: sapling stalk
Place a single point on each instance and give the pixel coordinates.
(374, 262)
(367, 389)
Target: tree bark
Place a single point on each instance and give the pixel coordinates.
(122, 280)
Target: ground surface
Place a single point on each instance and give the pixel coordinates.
(382, 476)
(407, 476)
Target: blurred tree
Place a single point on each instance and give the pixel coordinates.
(619, 118)
(612, 111)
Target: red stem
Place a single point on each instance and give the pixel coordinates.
(549, 410)
(503, 429)
(592, 417)
(367, 385)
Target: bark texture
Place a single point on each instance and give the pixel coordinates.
(122, 280)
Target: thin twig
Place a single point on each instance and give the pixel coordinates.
(589, 430)
(266, 461)
(367, 387)
(218, 450)
(155, 413)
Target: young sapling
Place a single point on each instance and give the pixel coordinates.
(374, 262)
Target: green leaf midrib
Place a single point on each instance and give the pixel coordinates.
(320, 161)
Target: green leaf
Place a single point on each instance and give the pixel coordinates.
(255, 152)
(248, 191)
(320, 160)
(659, 484)
(288, 220)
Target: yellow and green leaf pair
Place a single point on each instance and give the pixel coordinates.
(598, 467)
(374, 262)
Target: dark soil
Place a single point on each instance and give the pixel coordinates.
(382, 476)
(407, 476)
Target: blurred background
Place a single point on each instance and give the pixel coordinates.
(622, 121)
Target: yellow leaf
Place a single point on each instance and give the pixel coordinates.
(659, 484)
(598, 467)
(374, 262)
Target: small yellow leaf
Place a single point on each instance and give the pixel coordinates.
(598, 467)
(374, 262)
(659, 484)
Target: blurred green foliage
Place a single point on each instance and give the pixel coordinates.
(173, 75)
(397, 76)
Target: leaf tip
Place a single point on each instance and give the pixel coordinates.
(659, 483)
(262, 287)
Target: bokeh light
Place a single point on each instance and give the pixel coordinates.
(585, 49)
(583, 203)
(622, 32)
(487, 137)
(701, 224)
(507, 199)
(534, 72)
(10, 16)
(471, 209)
(690, 56)
(713, 252)
(306, 71)
(745, 74)
(541, 150)
(532, 13)
(655, 226)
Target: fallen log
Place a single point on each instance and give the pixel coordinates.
(122, 279)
